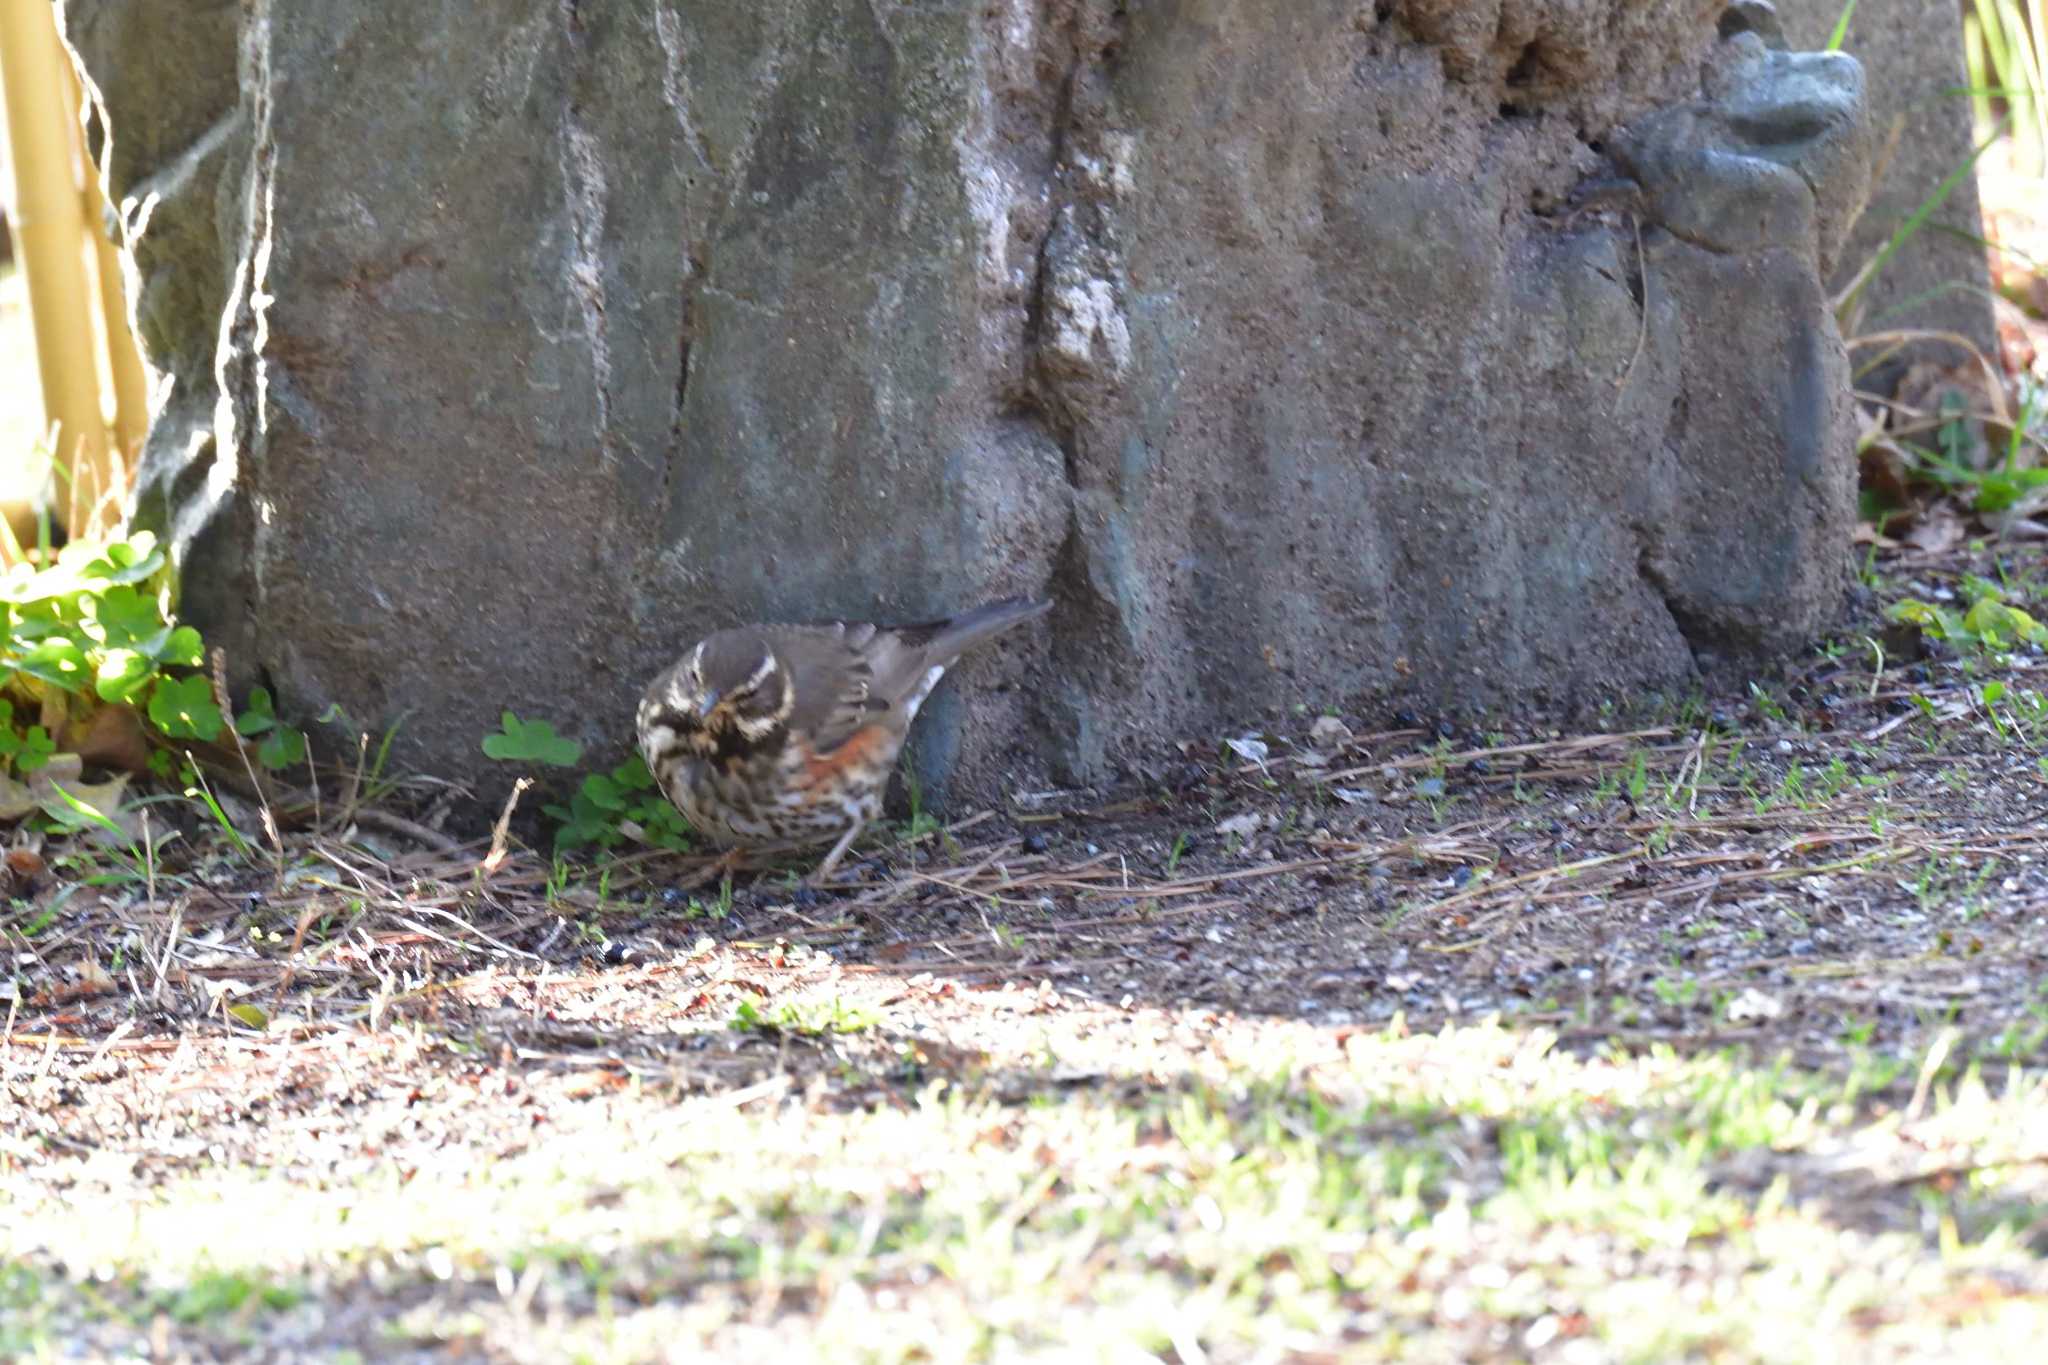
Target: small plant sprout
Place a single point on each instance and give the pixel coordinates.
(531, 741)
(606, 810)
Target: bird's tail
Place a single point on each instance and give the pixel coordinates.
(949, 639)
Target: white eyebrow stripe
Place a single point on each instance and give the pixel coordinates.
(761, 672)
(697, 660)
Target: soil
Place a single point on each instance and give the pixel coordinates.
(1846, 862)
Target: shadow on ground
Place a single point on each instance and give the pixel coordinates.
(1323, 1042)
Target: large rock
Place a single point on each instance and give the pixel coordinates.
(1303, 350)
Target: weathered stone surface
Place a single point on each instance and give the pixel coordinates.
(1303, 350)
(1913, 51)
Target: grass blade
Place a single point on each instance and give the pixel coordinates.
(1841, 27)
(1908, 229)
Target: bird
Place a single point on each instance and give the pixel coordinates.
(783, 737)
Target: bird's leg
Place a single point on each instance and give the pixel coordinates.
(728, 862)
(838, 851)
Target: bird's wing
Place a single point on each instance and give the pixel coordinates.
(835, 672)
(849, 676)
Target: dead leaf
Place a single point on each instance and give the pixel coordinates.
(1247, 824)
(1940, 531)
(2024, 528)
(25, 867)
(1884, 470)
(56, 707)
(1329, 734)
(46, 789)
(1926, 385)
(2020, 338)
(111, 737)
(1250, 748)
(1752, 1004)
(92, 980)
(15, 799)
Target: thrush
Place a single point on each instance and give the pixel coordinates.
(782, 737)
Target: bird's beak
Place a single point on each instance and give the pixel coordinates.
(708, 705)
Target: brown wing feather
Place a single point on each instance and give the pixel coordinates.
(831, 680)
(848, 675)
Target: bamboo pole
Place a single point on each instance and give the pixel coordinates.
(124, 355)
(51, 177)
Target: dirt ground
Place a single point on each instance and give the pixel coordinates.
(1831, 884)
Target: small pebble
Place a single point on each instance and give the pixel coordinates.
(1034, 843)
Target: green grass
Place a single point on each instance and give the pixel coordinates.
(1474, 1192)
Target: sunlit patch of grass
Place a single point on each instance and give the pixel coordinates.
(1425, 1194)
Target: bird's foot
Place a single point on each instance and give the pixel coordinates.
(820, 878)
(721, 869)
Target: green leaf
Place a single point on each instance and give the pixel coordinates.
(632, 775)
(1936, 620)
(533, 741)
(604, 794)
(123, 618)
(260, 718)
(582, 824)
(183, 648)
(161, 763)
(36, 749)
(283, 749)
(184, 708)
(36, 621)
(1995, 622)
(252, 1015)
(125, 561)
(56, 661)
(122, 673)
(661, 823)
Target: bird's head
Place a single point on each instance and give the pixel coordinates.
(730, 689)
